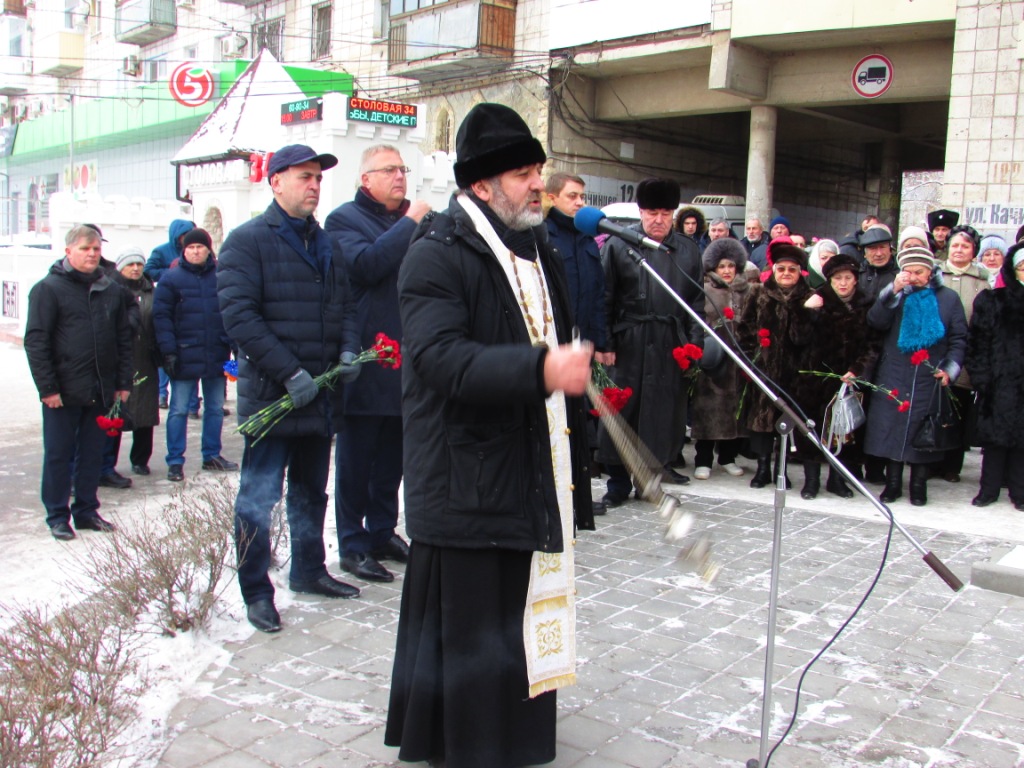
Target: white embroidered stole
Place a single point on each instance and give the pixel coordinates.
(549, 622)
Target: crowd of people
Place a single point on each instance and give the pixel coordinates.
(504, 317)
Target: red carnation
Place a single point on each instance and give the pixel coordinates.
(919, 357)
(764, 333)
(765, 341)
(693, 351)
(904, 406)
(729, 314)
(894, 394)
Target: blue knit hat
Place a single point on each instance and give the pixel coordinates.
(780, 220)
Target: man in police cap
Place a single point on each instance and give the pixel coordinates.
(940, 224)
(285, 302)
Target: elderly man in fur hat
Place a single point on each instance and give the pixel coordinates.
(644, 325)
(495, 464)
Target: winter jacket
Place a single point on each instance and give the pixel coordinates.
(477, 458)
(142, 406)
(186, 318)
(789, 325)
(163, 256)
(585, 275)
(873, 279)
(995, 361)
(645, 324)
(78, 338)
(890, 433)
(752, 246)
(718, 391)
(968, 287)
(373, 243)
(285, 309)
(841, 340)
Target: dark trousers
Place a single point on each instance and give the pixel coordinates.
(1000, 465)
(70, 432)
(619, 481)
(306, 460)
(142, 450)
(727, 451)
(367, 474)
(953, 459)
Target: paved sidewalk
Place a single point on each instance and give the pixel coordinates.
(670, 669)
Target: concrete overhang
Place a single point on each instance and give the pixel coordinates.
(665, 51)
(845, 38)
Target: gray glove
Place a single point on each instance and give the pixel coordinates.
(348, 372)
(302, 388)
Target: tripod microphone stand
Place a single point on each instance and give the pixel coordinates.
(789, 421)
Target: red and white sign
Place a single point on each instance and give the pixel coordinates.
(191, 86)
(872, 76)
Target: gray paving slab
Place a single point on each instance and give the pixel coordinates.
(671, 669)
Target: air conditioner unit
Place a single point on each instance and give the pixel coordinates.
(132, 66)
(231, 47)
(26, 66)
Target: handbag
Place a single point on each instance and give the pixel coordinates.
(940, 430)
(843, 414)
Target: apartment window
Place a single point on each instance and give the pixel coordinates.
(155, 69)
(191, 52)
(16, 28)
(270, 35)
(380, 19)
(321, 32)
(408, 6)
(76, 14)
(445, 131)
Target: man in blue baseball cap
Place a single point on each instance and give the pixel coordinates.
(285, 302)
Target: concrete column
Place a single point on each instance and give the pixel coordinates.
(761, 162)
(889, 186)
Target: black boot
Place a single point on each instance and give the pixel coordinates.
(836, 484)
(763, 475)
(919, 484)
(812, 480)
(874, 470)
(893, 481)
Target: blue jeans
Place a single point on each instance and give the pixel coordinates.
(72, 453)
(367, 473)
(177, 417)
(164, 382)
(307, 460)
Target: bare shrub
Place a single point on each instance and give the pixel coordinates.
(63, 686)
(168, 573)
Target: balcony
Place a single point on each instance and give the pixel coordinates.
(468, 39)
(15, 75)
(14, 7)
(141, 22)
(60, 53)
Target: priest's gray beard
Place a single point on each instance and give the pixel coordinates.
(516, 219)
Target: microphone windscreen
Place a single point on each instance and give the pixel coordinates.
(587, 219)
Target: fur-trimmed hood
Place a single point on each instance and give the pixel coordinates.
(687, 212)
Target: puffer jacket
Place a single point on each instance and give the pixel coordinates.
(285, 309)
(163, 256)
(187, 322)
(78, 338)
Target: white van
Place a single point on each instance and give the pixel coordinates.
(732, 208)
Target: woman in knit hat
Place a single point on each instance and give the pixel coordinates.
(995, 360)
(992, 254)
(918, 316)
(727, 291)
(962, 274)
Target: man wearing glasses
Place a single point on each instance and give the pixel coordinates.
(373, 231)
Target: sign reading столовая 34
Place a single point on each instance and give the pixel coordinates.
(384, 112)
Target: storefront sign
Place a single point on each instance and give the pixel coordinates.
(191, 86)
(195, 177)
(304, 111)
(384, 112)
(872, 76)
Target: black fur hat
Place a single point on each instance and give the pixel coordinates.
(721, 249)
(942, 218)
(838, 263)
(658, 194)
(491, 140)
(783, 249)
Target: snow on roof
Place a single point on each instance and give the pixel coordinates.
(243, 122)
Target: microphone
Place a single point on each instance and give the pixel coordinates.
(590, 221)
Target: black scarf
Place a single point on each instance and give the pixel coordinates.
(522, 243)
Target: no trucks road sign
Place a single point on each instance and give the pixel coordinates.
(872, 76)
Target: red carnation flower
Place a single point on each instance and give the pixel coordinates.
(765, 341)
(919, 357)
(894, 394)
(904, 406)
(729, 314)
(764, 333)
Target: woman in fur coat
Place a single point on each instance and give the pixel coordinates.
(727, 291)
(843, 344)
(995, 361)
(774, 329)
(916, 313)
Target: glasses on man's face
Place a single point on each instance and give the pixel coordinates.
(391, 170)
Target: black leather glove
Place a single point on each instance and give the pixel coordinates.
(348, 372)
(171, 366)
(302, 388)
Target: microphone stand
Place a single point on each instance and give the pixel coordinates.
(784, 426)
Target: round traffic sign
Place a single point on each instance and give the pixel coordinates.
(191, 86)
(872, 76)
